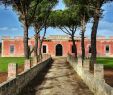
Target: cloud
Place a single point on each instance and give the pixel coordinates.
(105, 28)
(3, 28)
(105, 25)
(14, 29)
(104, 32)
(8, 29)
(107, 13)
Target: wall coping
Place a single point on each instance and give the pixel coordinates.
(57, 37)
(14, 86)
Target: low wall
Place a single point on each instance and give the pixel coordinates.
(95, 82)
(14, 85)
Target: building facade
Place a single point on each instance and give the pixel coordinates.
(57, 45)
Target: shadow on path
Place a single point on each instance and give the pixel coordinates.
(58, 78)
(30, 88)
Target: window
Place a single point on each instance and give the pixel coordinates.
(12, 49)
(44, 49)
(73, 49)
(107, 48)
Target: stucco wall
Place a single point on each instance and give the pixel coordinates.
(51, 46)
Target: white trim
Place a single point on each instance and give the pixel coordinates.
(46, 48)
(2, 48)
(62, 49)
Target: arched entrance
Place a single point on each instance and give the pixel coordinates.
(58, 50)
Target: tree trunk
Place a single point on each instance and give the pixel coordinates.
(74, 45)
(36, 45)
(41, 41)
(82, 38)
(82, 46)
(26, 47)
(40, 49)
(93, 37)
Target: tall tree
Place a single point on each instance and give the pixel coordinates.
(97, 7)
(67, 21)
(83, 12)
(40, 22)
(96, 10)
(26, 10)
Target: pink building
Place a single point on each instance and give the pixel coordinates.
(56, 45)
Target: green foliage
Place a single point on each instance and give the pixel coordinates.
(67, 18)
(68, 3)
(42, 13)
(82, 7)
(26, 9)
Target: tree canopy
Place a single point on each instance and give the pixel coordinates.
(66, 18)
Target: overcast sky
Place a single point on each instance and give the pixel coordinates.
(10, 26)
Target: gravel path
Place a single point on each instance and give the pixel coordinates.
(61, 80)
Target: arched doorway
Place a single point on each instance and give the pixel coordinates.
(58, 50)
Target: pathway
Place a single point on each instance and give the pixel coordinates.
(61, 80)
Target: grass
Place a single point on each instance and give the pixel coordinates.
(107, 61)
(4, 61)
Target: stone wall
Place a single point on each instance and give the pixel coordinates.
(95, 82)
(15, 83)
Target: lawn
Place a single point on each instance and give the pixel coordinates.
(4, 61)
(107, 61)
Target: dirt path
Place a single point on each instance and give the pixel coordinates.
(60, 80)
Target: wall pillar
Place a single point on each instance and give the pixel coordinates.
(34, 61)
(12, 70)
(111, 92)
(27, 64)
(99, 71)
(86, 65)
(79, 62)
(89, 55)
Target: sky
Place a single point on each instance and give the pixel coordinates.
(10, 25)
